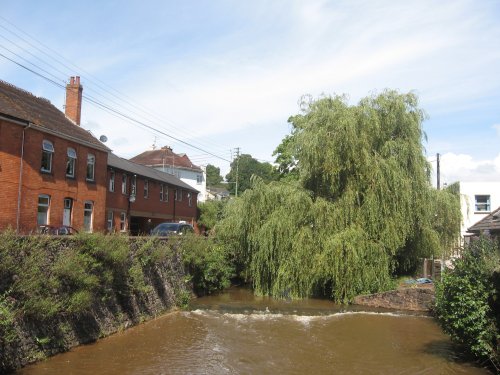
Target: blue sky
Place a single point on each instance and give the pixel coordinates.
(227, 74)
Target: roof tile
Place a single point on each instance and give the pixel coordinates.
(165, 157)
(21, 104)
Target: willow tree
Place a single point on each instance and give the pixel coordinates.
(361, 205)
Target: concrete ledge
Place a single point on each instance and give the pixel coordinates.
(412, 299)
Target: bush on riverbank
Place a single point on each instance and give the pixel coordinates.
(57, 292)
(467, 301)
(207, 263)
(43, 276)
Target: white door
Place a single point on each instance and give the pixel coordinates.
(68, 203)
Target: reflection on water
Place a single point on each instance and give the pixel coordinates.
(237, 333)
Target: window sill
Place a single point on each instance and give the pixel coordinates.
(70, 177)
(482, 212)
(90, 181)
(43, 171)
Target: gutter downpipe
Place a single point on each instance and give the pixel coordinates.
(175, 198)
(19, 192)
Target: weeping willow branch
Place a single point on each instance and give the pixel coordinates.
(361, 204)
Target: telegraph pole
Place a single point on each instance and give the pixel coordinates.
(438, 171)
(237, 169)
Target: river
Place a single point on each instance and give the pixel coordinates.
(238, 333)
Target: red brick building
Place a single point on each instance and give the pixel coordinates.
(51, 170)
(139, 197)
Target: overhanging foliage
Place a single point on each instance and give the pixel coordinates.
(362, 203)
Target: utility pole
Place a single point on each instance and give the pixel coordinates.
(438, 170)
(237, 169)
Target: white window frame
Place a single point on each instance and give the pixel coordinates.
(190, 199)
(199, 179)
(68, 205)
(178, 195)
(146, 188)
(48, 153)
(46, 212)
(161, 192)
(110, 220)
(112, 181)
(71, 162)
(124, 183)
(133, 185)
(123, 221)
(484, 205)
(166, 194)
(90, 174)
(86, 209)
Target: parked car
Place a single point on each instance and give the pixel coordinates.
(168, 229)
(65, 230)
(62, 230)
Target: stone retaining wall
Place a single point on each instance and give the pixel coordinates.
(33, 340)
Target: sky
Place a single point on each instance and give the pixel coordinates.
(216, 75)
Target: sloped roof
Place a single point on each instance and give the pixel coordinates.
(490, 222)
(115, 161)
(19, 104)
(165, 157)
(217, 190)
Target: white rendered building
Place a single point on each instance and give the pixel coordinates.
(179, 165)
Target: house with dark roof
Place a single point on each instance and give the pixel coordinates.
(52, 171)
(489, 225)
(140, 197)
(477, 200)
(178, 165)
(219, 194)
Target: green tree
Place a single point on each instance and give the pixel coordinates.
(285, 159)
(243, 168)
(466, 298)
(214, 179)
(211, 212)
(361, 205)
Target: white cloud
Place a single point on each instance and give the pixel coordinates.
(463, 167)
(250, 73)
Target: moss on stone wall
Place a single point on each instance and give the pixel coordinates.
(56, 293)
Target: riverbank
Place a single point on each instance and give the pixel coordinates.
(62, 293)
(414, 298)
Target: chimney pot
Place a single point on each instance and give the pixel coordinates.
(73, 107)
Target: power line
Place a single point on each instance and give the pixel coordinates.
(115, 111)
(101, 105)
(66, 66)
(87, 76)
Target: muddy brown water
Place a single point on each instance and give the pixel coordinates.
(238, 333)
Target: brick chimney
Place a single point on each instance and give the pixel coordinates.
(73, 108)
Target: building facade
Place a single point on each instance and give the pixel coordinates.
(53, 171)
(178, 165)
(139, 198)
(477, 200)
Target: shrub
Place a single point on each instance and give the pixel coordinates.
(465, 298)
(207, 263)
(7, 319)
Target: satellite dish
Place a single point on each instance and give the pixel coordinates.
(103, 138)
